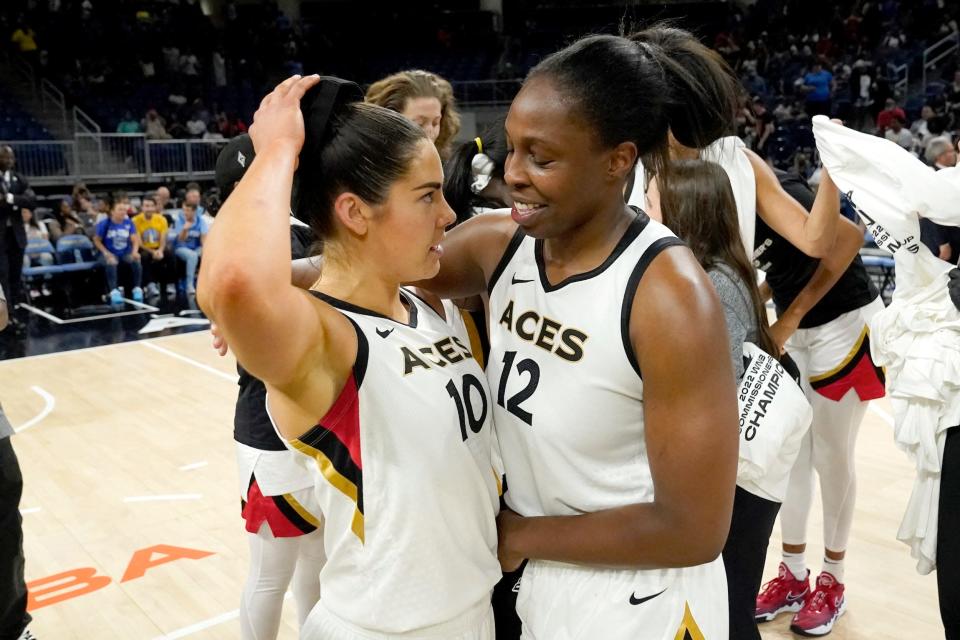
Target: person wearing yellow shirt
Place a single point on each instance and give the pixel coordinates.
(25, 39)
(152, 227)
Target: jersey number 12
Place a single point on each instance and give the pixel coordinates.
(531, 368)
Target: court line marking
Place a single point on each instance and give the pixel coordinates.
(141, 309)
(49, 402)
(199, 365)
(40, 356)
(192, 466)
(164, 498)
(206, 624)
(886, 417)
(24, 512)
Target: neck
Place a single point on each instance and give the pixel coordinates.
(590, 243)
(358, 283)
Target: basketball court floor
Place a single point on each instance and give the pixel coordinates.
(131, 510)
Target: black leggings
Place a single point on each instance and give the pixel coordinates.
(13, 591)
(948, 537)
(743, 559)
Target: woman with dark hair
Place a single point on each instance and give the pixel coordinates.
(620, 483)
(424, 98)
(405, 408)
(473, 175)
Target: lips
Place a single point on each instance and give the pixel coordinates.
(524, 212)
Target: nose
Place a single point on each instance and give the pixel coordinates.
(447, 215)
(513, 174)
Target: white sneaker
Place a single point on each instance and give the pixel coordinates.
(153, 290)
(26, 635)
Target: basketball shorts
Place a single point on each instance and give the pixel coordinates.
(288, 515)
(837, 356)
(476, 624)
(565, 602)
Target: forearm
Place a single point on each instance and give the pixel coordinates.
(820, 228)
(247, 253)
(641, 536)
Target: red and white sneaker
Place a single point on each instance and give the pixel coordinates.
(822, 609)
(782, 594)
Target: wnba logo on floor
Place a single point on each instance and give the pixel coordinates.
(761, 380)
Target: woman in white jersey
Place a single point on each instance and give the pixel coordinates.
(619, 438)
(403, 440)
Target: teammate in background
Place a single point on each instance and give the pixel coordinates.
(117, 240)
(823, 310)
(152, 227)
(283, 519)
(423, 97)
(605, 467)
(473, 175)
(371, 358)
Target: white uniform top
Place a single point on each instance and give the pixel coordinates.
(728, 153)
(568, 391)
(405, 480)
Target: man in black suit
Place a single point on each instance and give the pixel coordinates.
(15, 194)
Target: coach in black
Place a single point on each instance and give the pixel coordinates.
(15, 194)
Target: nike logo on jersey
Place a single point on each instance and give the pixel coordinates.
(635, 600)
(515, 281)
(549, 335)
(383, 333)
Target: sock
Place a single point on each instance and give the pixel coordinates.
(797, 563)
(834, 568)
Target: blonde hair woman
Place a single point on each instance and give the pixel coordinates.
(423, 97)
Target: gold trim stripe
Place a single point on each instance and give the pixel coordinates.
(335, 478)
(689, 629)
(846, 361)
(476, 346)
(301, 510)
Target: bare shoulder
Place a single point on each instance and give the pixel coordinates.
(490, 233)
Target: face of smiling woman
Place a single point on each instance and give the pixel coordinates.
(559, 175)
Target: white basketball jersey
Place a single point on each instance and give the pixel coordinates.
(568, 395)
(568, 409)
(405, 478)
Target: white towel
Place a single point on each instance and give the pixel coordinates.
(917, 338)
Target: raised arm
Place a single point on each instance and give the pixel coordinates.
(276, 330)
(813, 234)
(831, 267)
(690, 417)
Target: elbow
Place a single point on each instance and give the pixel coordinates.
(223, 289)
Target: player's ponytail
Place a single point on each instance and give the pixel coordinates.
(470, 169)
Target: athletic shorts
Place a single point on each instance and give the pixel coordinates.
(560, 601)
(476, 624)
(288, 515)
(837, 355)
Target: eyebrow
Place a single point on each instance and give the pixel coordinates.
(428, 185)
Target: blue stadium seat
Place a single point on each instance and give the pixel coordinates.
(76, 253)
(36, 247)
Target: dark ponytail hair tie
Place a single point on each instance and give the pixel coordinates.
(319, 106)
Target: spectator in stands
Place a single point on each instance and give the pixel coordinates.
(152, 227)
(423, 97)
(885, 117)
(163, 198)
(953, 99)
(155, 126)
(25, 39)
(193, 196)
(191, 231)
(231, 125)
(212, 133)
(940, 153)
(819, 86)
(15, 194)
(196, 127)
(36, 230)
(921, 126)
(899, 134)
(117, 240)
(128, 124)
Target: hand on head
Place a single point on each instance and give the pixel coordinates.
(279, 119)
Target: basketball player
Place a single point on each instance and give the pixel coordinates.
(619, 439)
(823, 324)
(283, 519)
(403, 447)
